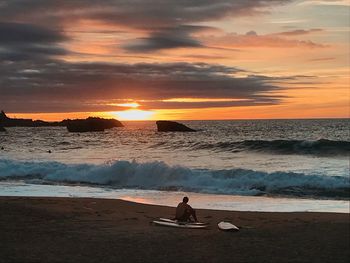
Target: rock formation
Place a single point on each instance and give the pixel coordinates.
(8, 122)
(91, 124)
(172, 126)
(79, 125)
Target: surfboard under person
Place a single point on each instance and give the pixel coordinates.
(184, 211)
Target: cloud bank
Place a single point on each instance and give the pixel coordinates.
(87, 86)
(37, 74)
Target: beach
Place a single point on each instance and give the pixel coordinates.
(100, 230)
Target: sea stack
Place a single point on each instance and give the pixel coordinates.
(2, 118)
(172, 126)
(9, 122)
(91, 124)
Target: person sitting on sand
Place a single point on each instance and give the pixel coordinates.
(184, 211)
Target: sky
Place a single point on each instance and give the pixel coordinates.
(175, 59)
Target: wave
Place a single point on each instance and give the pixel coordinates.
(160, 176)
(320, 147)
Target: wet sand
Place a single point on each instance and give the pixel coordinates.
(99, 230)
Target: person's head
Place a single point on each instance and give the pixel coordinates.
(185, 199)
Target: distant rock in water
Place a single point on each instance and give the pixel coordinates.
(91, 124)
(6, 121)
(79, 125)
(2, 129)
(9, 122)
(172, 126)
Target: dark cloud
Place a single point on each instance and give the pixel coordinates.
(161, 41)
(132, 13)
(261, 100)
(299, 32)
(14, 33)
(35, 78)
(150, 16)
(322, 59)
(20, 41)
(251, 33)
(252, 39)
(167, 38)
(33, 105)
(84, 85)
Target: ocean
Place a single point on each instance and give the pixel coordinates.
(247, 165)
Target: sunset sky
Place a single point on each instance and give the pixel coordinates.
(179, 59)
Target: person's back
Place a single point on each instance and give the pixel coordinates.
(184, 211)
(181, 209)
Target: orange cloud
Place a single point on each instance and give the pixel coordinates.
(252, 40)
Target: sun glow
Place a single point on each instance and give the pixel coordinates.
(203, 100)
(130, 105)
(134, 115)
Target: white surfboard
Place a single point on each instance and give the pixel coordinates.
(227, 226)
(179, 224)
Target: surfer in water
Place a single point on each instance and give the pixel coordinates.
(184, 211)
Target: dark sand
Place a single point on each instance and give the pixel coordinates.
(97, 230)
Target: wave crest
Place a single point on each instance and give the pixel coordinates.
(160, 176)
(320, 147)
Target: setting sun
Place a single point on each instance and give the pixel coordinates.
(134, 115)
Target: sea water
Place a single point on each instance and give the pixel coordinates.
(255, 165)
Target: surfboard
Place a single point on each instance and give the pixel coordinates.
(227, 226)
(179, 222)
(173, 223)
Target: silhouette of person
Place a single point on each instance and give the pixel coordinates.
(184, 211)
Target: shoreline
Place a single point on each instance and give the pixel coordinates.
(56, 229)
(166, 198)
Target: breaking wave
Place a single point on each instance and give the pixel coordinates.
(160, 176)
(319, 147)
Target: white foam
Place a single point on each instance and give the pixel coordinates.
(171, 198)
(160, 176)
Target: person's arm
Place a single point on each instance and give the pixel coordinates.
(192, 212)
